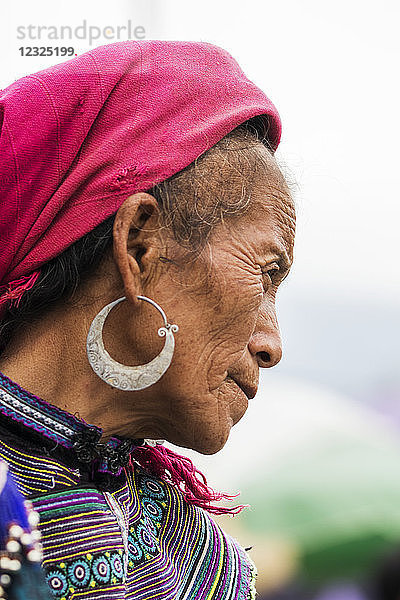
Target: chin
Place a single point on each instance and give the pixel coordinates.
(212, 441)
(206, 442)
(239, 410)
(208, 431)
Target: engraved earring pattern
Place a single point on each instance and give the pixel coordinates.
(118, 375)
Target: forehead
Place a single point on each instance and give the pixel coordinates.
(270, 217)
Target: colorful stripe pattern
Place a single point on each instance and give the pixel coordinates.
(126, 536)
(36, 414)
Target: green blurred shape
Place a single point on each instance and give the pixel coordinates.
(336, 498)
(349, 559)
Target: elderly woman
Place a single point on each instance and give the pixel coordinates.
(145, 229)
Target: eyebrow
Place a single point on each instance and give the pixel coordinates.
(281, 254)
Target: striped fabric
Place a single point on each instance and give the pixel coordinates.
(108, 536)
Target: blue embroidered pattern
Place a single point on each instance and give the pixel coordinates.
(143, 536)
(88, 572)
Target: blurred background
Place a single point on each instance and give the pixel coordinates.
(317, 456)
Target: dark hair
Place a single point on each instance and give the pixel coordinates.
(189, 207)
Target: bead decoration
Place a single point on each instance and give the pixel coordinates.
(20, 546)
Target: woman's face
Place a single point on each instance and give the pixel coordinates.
(224, 305)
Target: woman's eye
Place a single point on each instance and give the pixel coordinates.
(270, 272)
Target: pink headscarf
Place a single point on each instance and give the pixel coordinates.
(78, 138)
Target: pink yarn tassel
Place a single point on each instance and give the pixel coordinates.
(180, 471)
(15, 289)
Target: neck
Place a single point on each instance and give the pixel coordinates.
(49, 359)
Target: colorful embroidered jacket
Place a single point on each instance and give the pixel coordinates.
(108, 532)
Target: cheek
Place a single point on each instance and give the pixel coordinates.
(234, 325)
(245, 300)
(214, 330)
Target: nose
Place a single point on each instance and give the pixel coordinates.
(265, 343)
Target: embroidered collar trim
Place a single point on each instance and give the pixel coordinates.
(63, 428)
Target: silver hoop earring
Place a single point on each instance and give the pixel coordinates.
(124, 377)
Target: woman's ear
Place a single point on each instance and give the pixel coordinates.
(134, 233)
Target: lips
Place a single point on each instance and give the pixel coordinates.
(249, 389)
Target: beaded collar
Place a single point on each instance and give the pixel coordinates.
(64, 429)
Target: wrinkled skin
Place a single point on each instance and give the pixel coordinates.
(223, 303)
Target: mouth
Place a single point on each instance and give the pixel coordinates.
(248, 389)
